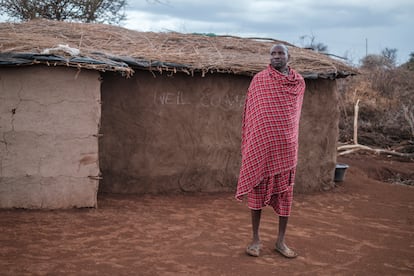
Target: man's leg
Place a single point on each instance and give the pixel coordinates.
(280, 243)
(256, 214)
(253, 249)
(281, 246)
(282, 203)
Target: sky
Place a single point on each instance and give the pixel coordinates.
(349, 28)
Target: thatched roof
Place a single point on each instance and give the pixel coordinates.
(111, 48)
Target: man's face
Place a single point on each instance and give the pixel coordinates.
(278, 57)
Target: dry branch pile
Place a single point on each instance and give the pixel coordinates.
(385, 113)
(173, 51)
(347, 149)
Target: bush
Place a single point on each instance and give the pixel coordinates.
(386, 111)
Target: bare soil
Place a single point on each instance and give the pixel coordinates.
(365, 226)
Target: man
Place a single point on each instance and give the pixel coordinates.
(270, 145)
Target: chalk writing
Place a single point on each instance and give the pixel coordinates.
(170, 98)
(225, 102)
(206, 99)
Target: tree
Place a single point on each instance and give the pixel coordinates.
(313, 45)
(386, 60)
(390, 55)
(99, 11)
(375, 62)
(411, 57)
(409, 65)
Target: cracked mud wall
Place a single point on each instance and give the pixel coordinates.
(182, 133)
(49, 118)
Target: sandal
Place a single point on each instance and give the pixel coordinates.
(254, 250)
(287, 252)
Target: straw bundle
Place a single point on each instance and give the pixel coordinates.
(106, 47)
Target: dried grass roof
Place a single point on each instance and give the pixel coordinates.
(112, 48)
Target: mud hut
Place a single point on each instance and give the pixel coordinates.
(88, 108)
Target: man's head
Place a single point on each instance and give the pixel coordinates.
(279, 57)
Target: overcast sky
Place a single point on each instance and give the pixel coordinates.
(348, 27)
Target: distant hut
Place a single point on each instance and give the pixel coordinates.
(89, 107)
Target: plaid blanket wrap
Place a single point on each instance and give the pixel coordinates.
(270, 128)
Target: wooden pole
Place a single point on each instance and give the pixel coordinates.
(356, 110)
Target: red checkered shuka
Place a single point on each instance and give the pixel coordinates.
(270, 127)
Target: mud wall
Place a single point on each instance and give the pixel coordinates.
(49, 119)
(170, 133)
(182, 133)
(318, 136)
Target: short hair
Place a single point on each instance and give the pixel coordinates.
(280, 45)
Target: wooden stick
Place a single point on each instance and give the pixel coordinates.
(354, 148)
(356, 109)
(409, 116)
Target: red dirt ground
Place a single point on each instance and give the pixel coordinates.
(362, 227)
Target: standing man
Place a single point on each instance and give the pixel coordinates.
(269, 147)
